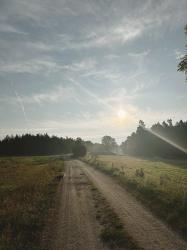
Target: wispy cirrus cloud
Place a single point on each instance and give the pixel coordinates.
(55, 95)
(140, 55)
(19, 100)
(59, 94)
(79, 59)
(7, 28)
(81, 66)
(46, 65)
(29, 66)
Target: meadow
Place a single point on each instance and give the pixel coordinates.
(27, 188)
(160, 185)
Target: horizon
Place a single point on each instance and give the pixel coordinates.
(119, 140)
(88, 69)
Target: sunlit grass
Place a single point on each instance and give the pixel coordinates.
(161, 185)
(175, 177)
(27, 188)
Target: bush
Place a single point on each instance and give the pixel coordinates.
(79, 150)
(140, 172)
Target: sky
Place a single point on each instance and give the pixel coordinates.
(89, 68)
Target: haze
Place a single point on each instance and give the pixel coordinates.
(90, 68)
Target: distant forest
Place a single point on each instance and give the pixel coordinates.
(144, 142)
(36, 145)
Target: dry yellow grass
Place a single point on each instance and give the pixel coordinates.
(27, 188)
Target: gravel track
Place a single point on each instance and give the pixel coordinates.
(149, 232)
(76, 227)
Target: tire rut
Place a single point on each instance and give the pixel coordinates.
(149, 232)
(76, 227)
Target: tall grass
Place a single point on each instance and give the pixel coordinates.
(27, 187)
(160, 185)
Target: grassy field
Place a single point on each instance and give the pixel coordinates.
(27, 187)
(112, 231)
(160, 185)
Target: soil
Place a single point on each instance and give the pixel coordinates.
(74, 226)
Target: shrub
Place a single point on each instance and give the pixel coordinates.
(140, 172)
(79, 150)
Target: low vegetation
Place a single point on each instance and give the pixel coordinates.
(112, 231)
(27, 187)
(160, 185)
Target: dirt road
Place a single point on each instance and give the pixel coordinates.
(147, 231)
(76, 227)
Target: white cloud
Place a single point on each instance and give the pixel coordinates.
(58, 94)
(88, 42)
(127, 28)
(7, 28)
(139, 55)
(55, 95)
(105, 73)
(44, 64)
(178, 54)
(81, 66)
(31, 66)
(106, 37)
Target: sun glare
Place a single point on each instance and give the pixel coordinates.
(121, 114)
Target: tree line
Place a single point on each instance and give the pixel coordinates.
(43, 144)
(40, 144)
(161, 140)
(145, 142)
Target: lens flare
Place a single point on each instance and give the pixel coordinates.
(184, 150)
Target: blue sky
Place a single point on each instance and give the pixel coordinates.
(90, 68)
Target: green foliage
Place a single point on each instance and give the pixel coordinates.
(182, 66)
(109, 143)
(112, 231)
(79, 149)
(39, 144)
(145, 143)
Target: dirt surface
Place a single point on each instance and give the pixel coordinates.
(76, 227)
(73, 226)
(149, 232)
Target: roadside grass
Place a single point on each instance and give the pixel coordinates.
(27, 188)
(162, 186)
(112, 231)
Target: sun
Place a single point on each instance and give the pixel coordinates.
(121, 114)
